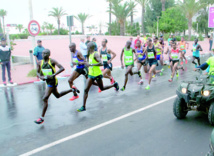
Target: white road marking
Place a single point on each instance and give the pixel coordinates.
(95, 127)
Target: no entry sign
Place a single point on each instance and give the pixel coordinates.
(33, 28)
(211, 18)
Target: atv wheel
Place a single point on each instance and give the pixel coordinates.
(180, 108)
(211, 114)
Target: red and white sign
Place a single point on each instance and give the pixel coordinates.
(33, 28)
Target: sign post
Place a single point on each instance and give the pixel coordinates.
(34, 29)
(70, 23)
(211, 18)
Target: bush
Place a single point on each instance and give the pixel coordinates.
(61, 31)
(32, 73)
(42, 33)
(200, 37)
(107, 33)
(77, 32)
(18, 36)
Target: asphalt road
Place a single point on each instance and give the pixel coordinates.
(151, 132)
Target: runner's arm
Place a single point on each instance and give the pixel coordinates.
(38, 71)
(133, 50)
(199, 48)
(61, 68)
(167, 50)
(113, 53)
(121, 57)
(98, 59)
(81, 57)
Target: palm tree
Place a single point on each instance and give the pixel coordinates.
(143, 5)
(190, 8)
(19, 27)
(81, 17)
(163, 4)
(3, 13)
(110, 7)
(57, 13)
(121, 11)
(132, 4)
(50, 27)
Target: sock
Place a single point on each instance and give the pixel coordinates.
(42, 118)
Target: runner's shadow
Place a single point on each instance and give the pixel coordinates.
(11, 105)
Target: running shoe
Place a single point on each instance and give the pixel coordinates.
(153, 76)
(112, 80)
(186, 61)
(116, 85)
(196, 66)
(162, 70)
(147, 87)
(122, 89)
(4, 83)
(81, 109)
(74, 98)
(181, 63)
(99, 90)
(39, 121)
(11, 82)
(140, 82)
(170, 80)
(168, 66)
(139, 73)
(161, 73)
(177, 74)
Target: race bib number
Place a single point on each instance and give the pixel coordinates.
(128, 59)
(194, 48)
(174, 56)
(182, 47)
(47, 72)
(104, 58)
(151, 55)
(140, 56)
(75, 60)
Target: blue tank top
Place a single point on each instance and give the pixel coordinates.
(140, 57)
(196, 52)
(76, 59)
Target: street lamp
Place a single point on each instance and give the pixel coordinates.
(157, 24)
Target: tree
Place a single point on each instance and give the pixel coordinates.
(19, 27)
(143, 5)
(202, 21)
(190, 8)
(133, 29)
(163, 5)
(3, 13)
(57, 13)
(110, 5)
(132, 4)
(121, 11)
(50, 27)
(115, 28)
(1, 31)
(81, 17)
(44, 26)
(25, 31)
(172, 20)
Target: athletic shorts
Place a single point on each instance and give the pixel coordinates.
(184, 51)
(129, 65)
(52, 86)
(152, 62)
(170, 60)
(95, 77)
(196, 57)
(174, 61)
(82, 71)
(108, 66)
(158, 57)
(144, 63)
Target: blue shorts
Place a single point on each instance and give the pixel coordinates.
(152, 62)
(52, 86)
(184, 51)
(158, 57)
(107, 66)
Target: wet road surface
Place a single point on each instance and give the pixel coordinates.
(154, 131)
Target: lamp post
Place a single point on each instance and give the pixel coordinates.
(157, 24)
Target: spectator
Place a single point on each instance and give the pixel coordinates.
(174, 38)
(87, 40)
(211, 42)
(5, 54)
(138, 39)
(83, 48)
(94, 41)
(169, 39)
(38, 51)
(132, 45)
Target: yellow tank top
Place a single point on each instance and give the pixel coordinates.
(94, 70)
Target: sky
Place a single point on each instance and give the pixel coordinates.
(18, 11)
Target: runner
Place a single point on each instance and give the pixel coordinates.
(151, 52)
(141, 60)
(80, 68)
(196, 52)
(95, 74)
(169, 48)
(129, 62)
(174, 55)
(107, 59)
(183, 48)
(46, 71)
(159, 55)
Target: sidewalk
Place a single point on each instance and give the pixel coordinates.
(60, 52)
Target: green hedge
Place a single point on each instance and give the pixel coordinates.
(18, 36)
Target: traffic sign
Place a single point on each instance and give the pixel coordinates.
(211, 18)
(33, 28)
(70, 21)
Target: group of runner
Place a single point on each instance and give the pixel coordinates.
(148, 54)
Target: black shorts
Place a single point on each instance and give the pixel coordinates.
(174, 61)
(198, 58)
(108, 66)
(152, 62)
(95, 77)
(82, 71)
(143, 63)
